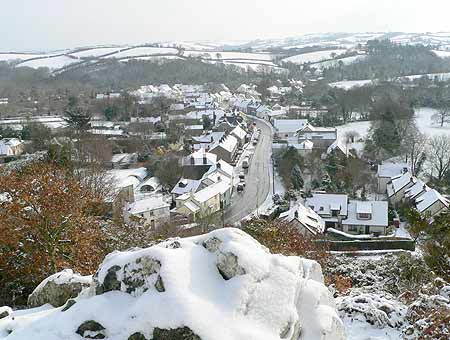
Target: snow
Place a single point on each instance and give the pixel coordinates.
(349, 84)
(426, 125)
(241, 56)
(63, 277)
(360, 330)
(18, 56)
(313, 57)
(401, 231)
(345, 61)
(52, 63)
(95, 52)
(270, 294)
(442, 54)
(143, 51)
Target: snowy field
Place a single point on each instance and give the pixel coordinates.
(143, 51)
(18, 56)
(349, 84)
(313, 57)
(230, 55)
(442, 54)
(360, 330)
(345, 61)
(96, 52)
(52, 63)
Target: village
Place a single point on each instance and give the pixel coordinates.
(225, 146)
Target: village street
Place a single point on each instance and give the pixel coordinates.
(258, 179)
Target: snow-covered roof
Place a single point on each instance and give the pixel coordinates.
(147, 204)
(399, 182)
(152, 181)
(209, 138)
(289, 125)
(191, 206)
(199, 155)
(323, 204)
(194, 127)
(391, 169)
(207, 193)
(123, 157)
(239, 132)
(427, 199)
(185, 185)
(229, 143)
(122, 178)
(11, 141)
(378, 211)
(337, 144)
(416, 189)
(306, 217)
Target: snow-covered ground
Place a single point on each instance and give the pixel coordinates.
(18, 56)
(96, 52)
(349, 84)
(143, 51)
(360, 330)
(345, 61)
(427, 126)
(313, 57)
(52, 63)
(442, 54)
(230, 55)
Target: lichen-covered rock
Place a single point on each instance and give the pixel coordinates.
(5, 312)
(58, 288)
(137, 336)
(182, 333)
(219, 286)
(134, 277)
(91, 330)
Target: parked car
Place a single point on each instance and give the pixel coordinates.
(240, 187)
(245, 163)
(242, 182)
(241, 175)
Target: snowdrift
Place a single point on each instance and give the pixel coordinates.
(220, 286)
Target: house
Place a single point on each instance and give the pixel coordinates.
(205, 141)
(386, 172)
(398, 185)
(366, 217)
(431, 203)
(339, 149)
(150, 186)
(240, 135)
(11, 147)
(303, 148)
(198, 163)
(226, 149)
(152, 211)
(306, 220)
(287, 128)
(331, 207)
(202, 203)
(322, 137)
(193, 130)
(415, 191)
(184, 186)
(123, 160)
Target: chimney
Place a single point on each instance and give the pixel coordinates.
(192, 160)
(296, 214)
(205, 160)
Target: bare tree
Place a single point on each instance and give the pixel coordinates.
(439, 155)
(442, 115)
(414, 145)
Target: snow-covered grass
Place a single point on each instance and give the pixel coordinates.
(345, 61)
(362, 128)
(313, 57)
(52, 63)
(96, 52)
(442, 54)
(143, 51)
(230, 55)
(427, 126)
(360, 330)
(18, 56)
(349, 84)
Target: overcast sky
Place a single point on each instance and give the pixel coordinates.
(54, 24)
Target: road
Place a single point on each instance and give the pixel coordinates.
(258, 179)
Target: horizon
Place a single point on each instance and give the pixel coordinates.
(55, 25)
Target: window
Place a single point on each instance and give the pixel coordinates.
(352, 228)
(152, 213)
(364, 216)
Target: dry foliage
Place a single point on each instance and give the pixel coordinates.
(281, 238)
(46, 225)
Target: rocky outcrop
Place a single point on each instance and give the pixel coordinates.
(58, 288)
(219, 286)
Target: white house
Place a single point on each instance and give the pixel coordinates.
(306, 220)
(11, 147)
(366, 217)
(431, 203)
(331, 207)
(386, 172)
(152, 211)
(286, 128)
(398, 185)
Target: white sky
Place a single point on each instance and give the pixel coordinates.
(53, 24)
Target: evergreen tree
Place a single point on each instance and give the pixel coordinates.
(297, 179)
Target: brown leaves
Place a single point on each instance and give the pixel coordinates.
(44, 226)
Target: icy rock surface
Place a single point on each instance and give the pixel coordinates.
(220, 286)
(58, 288)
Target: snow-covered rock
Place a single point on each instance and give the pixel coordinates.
(220, 286)
(58, 288)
